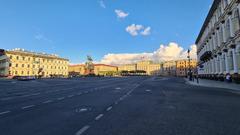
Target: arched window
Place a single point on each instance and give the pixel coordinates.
(235, 21)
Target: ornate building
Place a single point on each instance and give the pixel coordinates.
(179, 68)
(148, 66)
(218, 43)
(19, 62)
(98, 69)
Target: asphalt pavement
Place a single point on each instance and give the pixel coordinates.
(117, 106)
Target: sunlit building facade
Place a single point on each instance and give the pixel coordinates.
(218, 43)
(99, 69)
(19, 62)
(149, 67)
(184, 66)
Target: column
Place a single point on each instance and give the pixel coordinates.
(219, 40)
(212, 63)
(231, 26)
(235, 64)
(213, 42)
(223, 31)
(226, 63)
(221, 64)
(216, 65)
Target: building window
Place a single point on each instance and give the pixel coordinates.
(16, 65)
(17, 57)
(23, 58)
(22, 72)
(11, 56)
(22, 65)
(16, 72)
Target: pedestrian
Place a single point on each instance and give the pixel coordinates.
(228, 78)
(197, 79)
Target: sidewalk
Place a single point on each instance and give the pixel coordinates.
(214, 84)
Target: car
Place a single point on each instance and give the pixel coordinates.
(24, 78)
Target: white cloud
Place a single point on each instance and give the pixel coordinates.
(121, 14)
(102, 3)
(42, 37)
(135, 30)
(172, 51)
(146, 31)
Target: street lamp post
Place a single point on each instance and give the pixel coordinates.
(189, 66)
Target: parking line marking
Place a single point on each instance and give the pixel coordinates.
(26, 107)
(49, 101)
(99, 117)
(1, 113)
(82, 130)
(109, 108)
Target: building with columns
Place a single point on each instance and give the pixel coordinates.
(218, 44)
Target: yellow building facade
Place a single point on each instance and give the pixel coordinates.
(99, 69)
(149, 67)
(127, 67)
(19, 62)
(183, 66)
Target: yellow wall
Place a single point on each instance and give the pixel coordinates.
(99, 69)
(29, 64)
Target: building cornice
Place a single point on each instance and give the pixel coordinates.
(209, 16)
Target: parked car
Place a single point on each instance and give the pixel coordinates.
(24, 78)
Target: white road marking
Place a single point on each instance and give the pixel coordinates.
(49, 101)
(61, 98)
(1, 113)
(118, 88)
(82, 130)
(70, 96)
(26, 107)
(7, 98)
(109, 108)
(79, 94)
(148, 90)
(35, 94)
(99, 117)
(116, 103)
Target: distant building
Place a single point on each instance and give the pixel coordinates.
(169, 68)
(127, 67)
(179, 68)
(75, 70)
(106, 70)
(218, 44)
(183, 67)
(149, 67)
(19, 62)
(99, 69)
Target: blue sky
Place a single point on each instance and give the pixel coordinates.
(76, 28)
